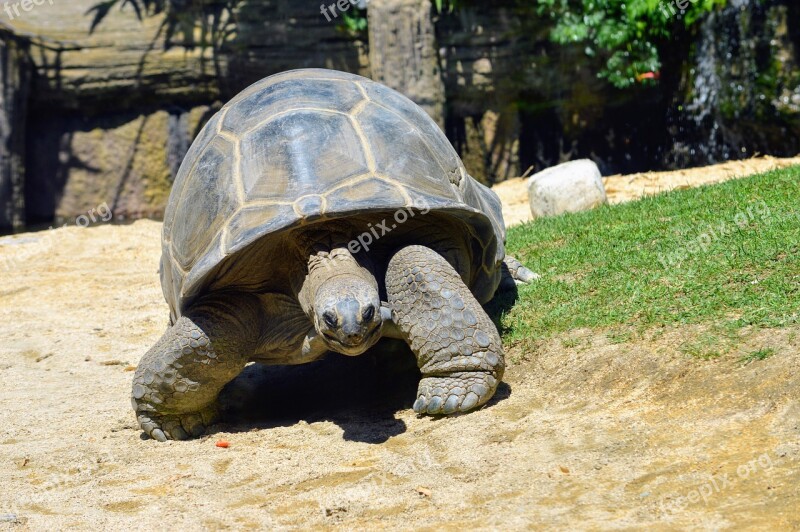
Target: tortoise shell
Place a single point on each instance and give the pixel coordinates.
(306, 146)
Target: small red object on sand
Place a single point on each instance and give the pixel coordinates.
(223, 444)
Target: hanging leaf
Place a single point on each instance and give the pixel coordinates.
(624, 32)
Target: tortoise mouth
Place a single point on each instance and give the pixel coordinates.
(352, 348)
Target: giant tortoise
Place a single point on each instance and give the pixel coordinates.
(319, 211)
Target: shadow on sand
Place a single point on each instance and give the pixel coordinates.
(359, 394)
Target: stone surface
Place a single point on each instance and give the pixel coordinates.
(570, 187)
(728, 89)
(739, 91)
(124, 63)
(111, 113)
(126, 161)
(508, 97)
(15, 74)
(403, 52)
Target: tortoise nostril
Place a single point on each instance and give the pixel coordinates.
(354, 337)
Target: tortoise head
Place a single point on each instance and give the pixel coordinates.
(346, 304)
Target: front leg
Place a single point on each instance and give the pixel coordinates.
(457, 346)
(177, 382)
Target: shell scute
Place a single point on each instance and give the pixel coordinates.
(299, 154)
(209, 204)
(368, 193)
(415, 163)
(248, 223)
(438, 145)
(185, 172)
(269, 103)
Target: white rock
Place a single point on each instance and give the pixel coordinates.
(570, 187)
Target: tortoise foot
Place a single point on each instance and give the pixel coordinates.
(163, 427)
(458, 392)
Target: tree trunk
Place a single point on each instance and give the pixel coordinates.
(403, 52)
(14, 84)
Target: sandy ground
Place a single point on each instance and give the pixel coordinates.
(584, 433)
(621, 188)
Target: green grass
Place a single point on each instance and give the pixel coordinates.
(761, 354)
(610, 268)
(706, 347)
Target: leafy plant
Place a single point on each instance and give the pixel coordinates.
(355, 24)
(629, 33)
(102, 9)
(451, 5)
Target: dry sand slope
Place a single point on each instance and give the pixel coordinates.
(589, 436)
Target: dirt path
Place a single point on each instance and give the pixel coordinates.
(621, 188)
(595, 435)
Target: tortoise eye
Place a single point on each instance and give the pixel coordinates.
(331, 320)
(369, 313)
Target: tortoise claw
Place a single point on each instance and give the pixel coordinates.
(176, 427)
(456, 393)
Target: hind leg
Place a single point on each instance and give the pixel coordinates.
(514, 273)
(457, 346)
(177, 382)
(519, 273)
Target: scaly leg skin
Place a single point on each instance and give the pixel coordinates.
(519, 273)
(177, 382)
(514, 273)
(457, 346)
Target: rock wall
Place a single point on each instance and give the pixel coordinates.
(15, 71)
(741, 93)
(125, 160)
(404, 54)
(515, 101)
(106, 117)
(112, 113)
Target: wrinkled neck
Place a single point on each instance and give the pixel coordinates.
(324, 266)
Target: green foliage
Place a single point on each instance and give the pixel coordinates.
(355, 23)
(449, 5)
(626, 32)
